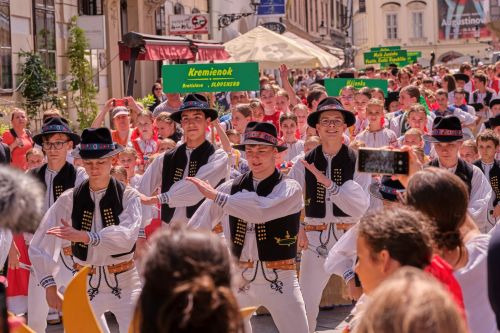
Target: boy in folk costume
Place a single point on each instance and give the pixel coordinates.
(446, 138)
(259, 214)
(334, 198)
(99, 222)
(57, 176)
(196, 157)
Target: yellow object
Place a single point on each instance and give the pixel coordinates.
(21, 328)
(77, 312)
(247, 312)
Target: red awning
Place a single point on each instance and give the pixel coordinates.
(170, 48)
(208, 52)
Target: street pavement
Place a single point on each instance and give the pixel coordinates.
(329, 321)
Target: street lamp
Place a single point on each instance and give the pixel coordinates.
(322, 30)
(226, 19)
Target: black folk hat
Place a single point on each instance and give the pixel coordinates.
(194, 102)
(387, 189)
(494, 102)
(96, 143)
(260, 134)
(392, 96)
(330, 104)
(495, 121)
(446, 129)
(461, 77)
(56, 125)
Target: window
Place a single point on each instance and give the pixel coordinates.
(418, 24)
(161, 25)
(5, 47)
(45, 31)
(392, 26)
(90, 7)
(178, 9)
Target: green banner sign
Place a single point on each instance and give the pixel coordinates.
(385, 48)
(413, 56)
(188, 78)
(400, 64)
(382, 57)
(333, 86)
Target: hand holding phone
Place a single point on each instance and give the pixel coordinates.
(120, 102)
(383, 161)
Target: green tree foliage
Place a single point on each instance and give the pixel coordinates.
(37, 82)
(81, 86)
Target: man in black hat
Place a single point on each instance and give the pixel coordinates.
(447, 137)
(57, 176)
(462, 79)
(99, 222)
(260, 216)
(196, 157)
(334, 198)
(494, 110)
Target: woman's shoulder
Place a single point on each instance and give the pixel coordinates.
(7, 137)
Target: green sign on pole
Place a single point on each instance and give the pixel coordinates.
(187, 78)
(385, 57)
(385, 48)
(333, 86)
(413, 56)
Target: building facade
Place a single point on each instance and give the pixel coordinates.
(447, 28)
(42, 26)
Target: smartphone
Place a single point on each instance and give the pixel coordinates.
(383, 161)
(4, 323)
(120, 102)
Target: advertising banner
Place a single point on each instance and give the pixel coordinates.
(188, 24)
(333, 86)
(384, 57)
(458, 19)
(210, 77)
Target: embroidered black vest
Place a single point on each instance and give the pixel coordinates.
(174, 164)
(464, 171)
(65, 178)
(343, 166)
(494, 178)
(276, 239)
(111, 206)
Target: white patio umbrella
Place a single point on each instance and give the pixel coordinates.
(271, 50)
(328, 58)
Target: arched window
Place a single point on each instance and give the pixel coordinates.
(178, 9)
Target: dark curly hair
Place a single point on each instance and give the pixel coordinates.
(404, 233)
(187, 285)
(443, 197)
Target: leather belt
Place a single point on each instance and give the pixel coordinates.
(113, 269)
(218, 228)
(67, 251)
(288, 264)
(324, 226)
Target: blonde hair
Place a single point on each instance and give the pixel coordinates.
(375, 102)
(411, 301)
(128, 151)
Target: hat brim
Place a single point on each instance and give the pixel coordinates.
(461, 77)
(126, 113)
(95, 155)
(313, 117)
(433, 139)
(254, 143)
(209, 113)
(375, 192)
(38, 139)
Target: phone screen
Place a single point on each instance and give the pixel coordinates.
(384, 162)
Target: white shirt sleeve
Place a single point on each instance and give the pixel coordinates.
(184, 193)
(81, 176)
(5, 243)
(351, 199)
(285, 199)
(298, 173)
(342, 257)
(465, 117)
(44, 249)
(481, 193)
(119, 238)
(209, 213)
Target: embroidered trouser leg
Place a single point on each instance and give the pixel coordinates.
(122, 307)
(38, 309)
(313, 278)
(286, 307)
